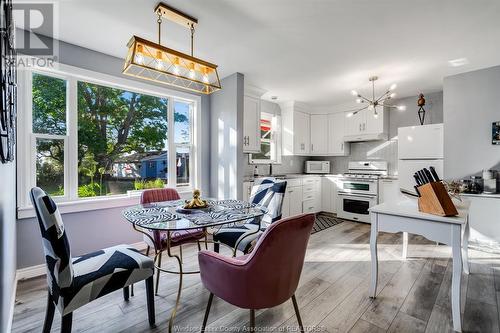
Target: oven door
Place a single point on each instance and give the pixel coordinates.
(354, 186)
(355, 206)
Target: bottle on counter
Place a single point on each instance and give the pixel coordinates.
(489, 181)
(476, 186)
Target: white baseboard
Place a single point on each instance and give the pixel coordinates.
(40, 270)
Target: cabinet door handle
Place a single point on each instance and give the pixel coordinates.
(342, 146)
(360, 127)
(312, 147)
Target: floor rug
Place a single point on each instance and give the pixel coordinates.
(325, 221)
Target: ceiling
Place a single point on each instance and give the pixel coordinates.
(314, 51)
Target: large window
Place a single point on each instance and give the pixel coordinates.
(86, 139)
(269, 141)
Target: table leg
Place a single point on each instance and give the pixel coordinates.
(373, 250)
(457, 277)
(405, 245)
(465, 247)
(177, 301)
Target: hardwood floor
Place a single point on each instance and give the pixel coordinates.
(413, 295)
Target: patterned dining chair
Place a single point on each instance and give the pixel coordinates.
(178, 238)
(266, 192)
(74, 282)
(266, 277)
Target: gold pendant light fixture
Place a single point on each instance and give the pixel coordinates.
(154, 62)
(374, 103)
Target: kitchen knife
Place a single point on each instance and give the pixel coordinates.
(429, 175)
(434, 174)
(422, 175)
(417, 179)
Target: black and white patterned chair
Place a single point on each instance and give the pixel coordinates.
(266, 192)
(74, 282)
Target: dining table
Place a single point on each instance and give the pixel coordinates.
(171, 217)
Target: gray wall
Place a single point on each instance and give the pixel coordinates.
(470, 106)
(93, 230)
(388, 151)
(226, 141)
(7, 242)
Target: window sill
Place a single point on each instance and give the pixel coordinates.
(84, 205)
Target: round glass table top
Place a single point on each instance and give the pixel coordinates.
(170, 215)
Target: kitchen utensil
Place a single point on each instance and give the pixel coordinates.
(476, 184)
(429, 175)
(434, 173)
(423, 176)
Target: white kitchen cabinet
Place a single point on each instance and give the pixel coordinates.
(296, 129)
(364, 126)
(311, 194)
(251, 124)
(329, 194)
(388, 190)
(336, 132)
(319, 134)
(292, 201)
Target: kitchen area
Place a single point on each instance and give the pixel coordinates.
(338, 163)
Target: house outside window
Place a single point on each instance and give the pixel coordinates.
(270, 140)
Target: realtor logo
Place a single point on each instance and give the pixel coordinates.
(35, 28)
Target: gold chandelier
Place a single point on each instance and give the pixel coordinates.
(374, 103)
(154, 62)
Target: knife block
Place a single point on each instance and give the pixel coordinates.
(434, 199)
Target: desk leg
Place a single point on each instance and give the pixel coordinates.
(405, 245)
(465, 247)
(373, 249)
(456, 242)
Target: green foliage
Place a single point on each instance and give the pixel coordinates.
(140, 184)
(49, 105)
(88, 166)
(89, 190)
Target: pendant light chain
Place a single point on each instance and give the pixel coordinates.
(192, 39)
(159, 27)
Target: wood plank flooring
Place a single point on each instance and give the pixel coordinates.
(413, 295)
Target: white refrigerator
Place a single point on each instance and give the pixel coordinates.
(419, 147)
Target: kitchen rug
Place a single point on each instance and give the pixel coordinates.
(324, 221)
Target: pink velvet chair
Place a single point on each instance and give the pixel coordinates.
(160, 238)
(266, 277)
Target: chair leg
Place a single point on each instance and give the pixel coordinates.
(216, 247)
(252, 320)
(132, 290)
(297, 313)
(207, 311)
(126, 293)
(67, 321)
(158, 274)
(147, 250)
(206, 240)
(199, 245)
(180, 253)
(49, 314)
(151, 300)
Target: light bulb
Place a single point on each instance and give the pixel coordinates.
(375, 114)
(358, 100)
(393, 86)
(139, 58)
(401, 107)
(176, 70)
(349, 115)
(392, 95)
(192, 74)
(159, 64)
(205, 78)
(354, 92)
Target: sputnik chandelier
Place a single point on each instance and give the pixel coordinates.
(154, 62)
(375, 103)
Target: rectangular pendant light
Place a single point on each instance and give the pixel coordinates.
(154, 62)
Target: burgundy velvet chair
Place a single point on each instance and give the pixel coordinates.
(266, 277)
(160, 238)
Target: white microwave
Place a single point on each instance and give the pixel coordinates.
(317, 167)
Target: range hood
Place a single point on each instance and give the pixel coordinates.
(366, 137)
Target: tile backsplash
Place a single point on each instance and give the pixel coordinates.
(289, 165)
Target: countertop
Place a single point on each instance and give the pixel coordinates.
(302, 175)
(481, 195)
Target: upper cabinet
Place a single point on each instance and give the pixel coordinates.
(251, 119)
(251, 122)
(296, 129)
(319, 134)
(365, 126)
(336, 132)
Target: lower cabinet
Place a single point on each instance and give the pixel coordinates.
(388, 190)
(329, 194)
(292, 201)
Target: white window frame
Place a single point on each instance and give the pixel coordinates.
(275, 141)
(26, 143)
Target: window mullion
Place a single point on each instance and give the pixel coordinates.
(172, 169)
(72, 128)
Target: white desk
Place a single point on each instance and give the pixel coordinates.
(403, 216)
